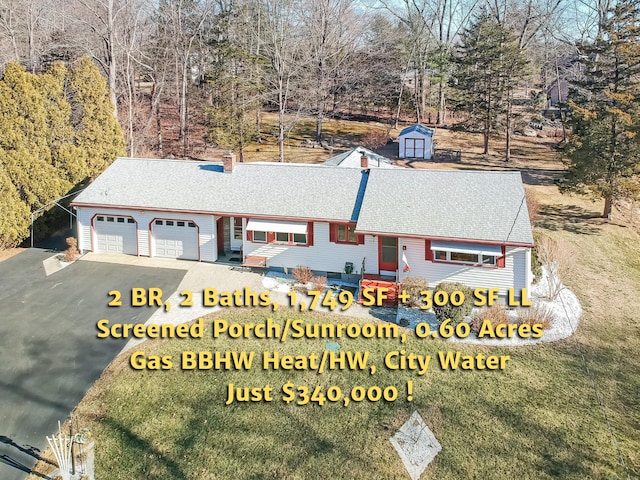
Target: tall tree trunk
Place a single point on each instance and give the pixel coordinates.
(281, 110)
(130, 79)
(155, 108)
(608, 208)
(319, 118)
(441, 105)
(487, 128)
(258, 125)
(111, 56)
(508, 122)
(281, 134)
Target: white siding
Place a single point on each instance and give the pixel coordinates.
(323, 255)
(83, 223)
(513, 275)
(206, 224)
(521, 269)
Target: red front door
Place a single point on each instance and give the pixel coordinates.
(388, 253)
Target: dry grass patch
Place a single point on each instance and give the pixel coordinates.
(338, 136)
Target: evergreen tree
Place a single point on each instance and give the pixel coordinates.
(24, 148)
(69, 160)
(604, 150)
(97, 131)
(490, 65)
(235, 88)
(14, 221)
(43, 153)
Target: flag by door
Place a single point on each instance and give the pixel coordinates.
(406, 264)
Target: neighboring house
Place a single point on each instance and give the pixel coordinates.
(416, 141)
(552, 93)
(466, 226)
(353, 159)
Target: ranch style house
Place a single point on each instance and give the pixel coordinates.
(455, 225)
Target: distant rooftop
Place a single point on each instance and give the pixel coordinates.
(351, 159)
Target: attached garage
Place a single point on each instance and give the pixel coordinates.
(175, 239)
(115, 234)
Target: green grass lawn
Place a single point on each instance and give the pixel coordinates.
(538, 419)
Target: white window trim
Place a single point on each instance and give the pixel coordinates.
(478, 250)
(478, 261)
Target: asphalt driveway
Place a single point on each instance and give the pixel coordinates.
(49, 353)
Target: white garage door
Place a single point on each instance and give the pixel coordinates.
(115, 234)
(176, 239)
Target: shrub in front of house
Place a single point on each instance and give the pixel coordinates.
(318, 283)
(535, 314)
(455, 312)
(72, 253)
(496, 315)
(536, 266)
(302, 274)
(413, 286)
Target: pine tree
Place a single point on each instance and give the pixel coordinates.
(69, 160)
(43, 153)
(490, 64)
(234, 94)
(24, 148)
(97, 131)
(604, 149)
(14, 221)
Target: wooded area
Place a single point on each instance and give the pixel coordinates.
(211, 68)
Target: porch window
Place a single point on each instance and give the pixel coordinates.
(259, 236)
(466, 253)
(282, 232)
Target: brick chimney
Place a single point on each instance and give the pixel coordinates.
(364, 161)
(229, 161)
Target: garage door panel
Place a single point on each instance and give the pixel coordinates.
(175, 239)
(115, 234)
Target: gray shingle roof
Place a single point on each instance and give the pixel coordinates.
(281, 190)
(474, 205)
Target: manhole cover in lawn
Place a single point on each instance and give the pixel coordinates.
(416, 445)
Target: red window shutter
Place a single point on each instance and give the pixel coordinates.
(271, 237)
(249, 235)
(428, 253)
(500, 261)
(333, 233)
(310, 234)
(360, 239)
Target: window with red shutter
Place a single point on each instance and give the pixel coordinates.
(428, 254)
